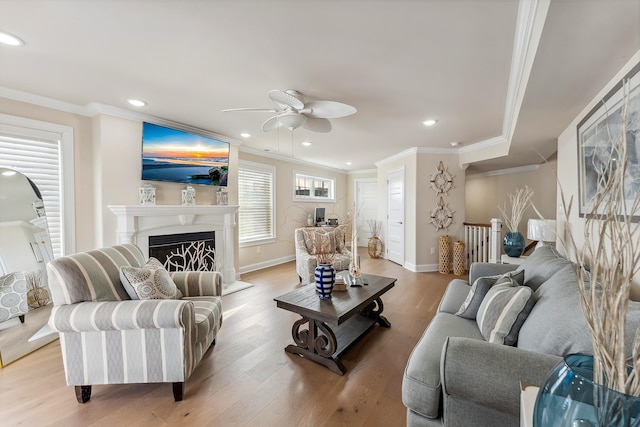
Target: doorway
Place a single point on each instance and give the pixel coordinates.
(395, 216)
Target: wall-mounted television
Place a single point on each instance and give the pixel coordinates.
(177, 156)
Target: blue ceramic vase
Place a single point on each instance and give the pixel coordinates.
(570, 398)
(325, 277)
(513, 243)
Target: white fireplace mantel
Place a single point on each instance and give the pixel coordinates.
(136, 223)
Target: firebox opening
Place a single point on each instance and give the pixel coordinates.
(185, 251)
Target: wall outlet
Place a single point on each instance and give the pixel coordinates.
(433, 251)
(257, 249)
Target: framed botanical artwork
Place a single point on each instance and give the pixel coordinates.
(598, 132)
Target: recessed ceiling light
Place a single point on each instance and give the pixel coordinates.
(306, 143)
(349, 163)
(245, 135)
(430, 122)
(10, 39)
(136, 102)
(455, 143)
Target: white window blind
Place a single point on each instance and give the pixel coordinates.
(39, 158)
(256, 199)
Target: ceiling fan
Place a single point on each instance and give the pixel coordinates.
(293, 112)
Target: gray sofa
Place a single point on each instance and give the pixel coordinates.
(456, 378)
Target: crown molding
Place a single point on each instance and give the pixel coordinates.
(362, 171)
(95, 108)
(518, 169)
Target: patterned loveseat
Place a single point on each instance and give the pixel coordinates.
(108, 338)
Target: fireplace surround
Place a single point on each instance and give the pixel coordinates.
(136, 223)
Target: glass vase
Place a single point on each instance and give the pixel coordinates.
(570, 398)
(513, 244)
(325, 277)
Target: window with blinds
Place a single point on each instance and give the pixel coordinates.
(256, 197)
(39, 158)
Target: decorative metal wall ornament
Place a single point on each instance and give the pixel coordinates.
(441, 180)
(442, 216)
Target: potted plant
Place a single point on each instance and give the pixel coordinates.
(513, 242)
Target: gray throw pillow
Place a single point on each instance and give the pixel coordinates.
(503, 311)
(150, 281)
(470, 306)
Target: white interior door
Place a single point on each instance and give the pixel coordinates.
(395, 216)
(366, 207)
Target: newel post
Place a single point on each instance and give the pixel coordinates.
(495, 241)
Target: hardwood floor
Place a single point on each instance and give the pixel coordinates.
(247, 379)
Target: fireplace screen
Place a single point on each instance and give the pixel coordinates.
(185, 252)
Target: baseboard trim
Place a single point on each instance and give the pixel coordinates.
(423, 268)
(266, 264)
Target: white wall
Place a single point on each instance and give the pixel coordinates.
(568, 172)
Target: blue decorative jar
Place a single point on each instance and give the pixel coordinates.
(325, 278)
(513, 243)
(570, 398)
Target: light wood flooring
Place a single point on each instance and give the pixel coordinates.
(247, 379)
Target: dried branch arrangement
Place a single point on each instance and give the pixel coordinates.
(323, 245)
(519, 201)
(605, 265)
(375, 227)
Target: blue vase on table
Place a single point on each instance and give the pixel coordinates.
(570, 398)
(513, 244)
(325, 277)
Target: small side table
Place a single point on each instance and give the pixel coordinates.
(528, 395)
(506, 259)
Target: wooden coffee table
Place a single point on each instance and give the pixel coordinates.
(329, 327)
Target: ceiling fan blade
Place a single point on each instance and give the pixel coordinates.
(328, 109)
(271, 124)
(258, 110)
(285, 98)
(317, 125)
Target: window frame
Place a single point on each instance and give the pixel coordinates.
(331, 197)
(270, 170)
(35, 129)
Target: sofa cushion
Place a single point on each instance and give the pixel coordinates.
(151, 281)
(456, 292)
(208, 314)
(557, 324)
(470, 306)
(421, 387)
(543, 263)
(503, 311)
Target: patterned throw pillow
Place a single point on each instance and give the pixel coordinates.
(470, 306)
(13, 295)
(150, 281)
(503, 312)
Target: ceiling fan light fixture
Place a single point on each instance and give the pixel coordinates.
(292, 120)
(10, 39)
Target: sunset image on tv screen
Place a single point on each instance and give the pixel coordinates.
(177, 156)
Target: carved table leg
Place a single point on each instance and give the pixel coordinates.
(317, 347)
(374, 311)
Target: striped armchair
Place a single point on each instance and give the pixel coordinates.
(108, 338)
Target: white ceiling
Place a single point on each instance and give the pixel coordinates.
(397, 62)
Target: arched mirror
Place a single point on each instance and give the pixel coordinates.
(25, 249)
